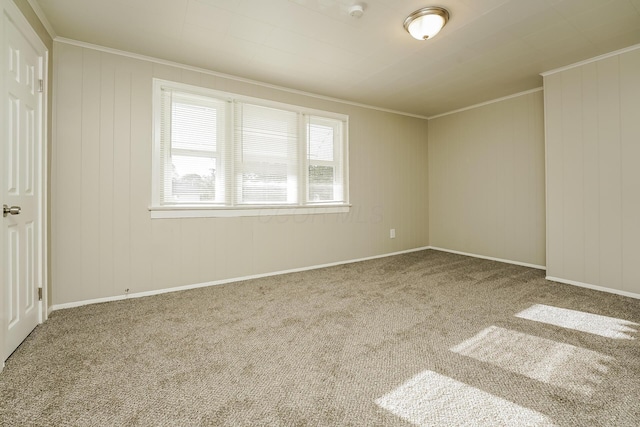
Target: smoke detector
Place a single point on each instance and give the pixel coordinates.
(356, 11)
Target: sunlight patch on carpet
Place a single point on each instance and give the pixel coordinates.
(431, 399)
(563, 365)
(608, 327)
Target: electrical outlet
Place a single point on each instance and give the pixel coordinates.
(392, 233)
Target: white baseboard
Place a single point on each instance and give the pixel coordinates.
(541, 267)
(594, 287)
(315, 267)
(222, 282)
(508, 261)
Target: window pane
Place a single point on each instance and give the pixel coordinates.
(321, 183)
(267, 158)
(265, 183)
(320, 141)
(325, 174)
(194, 179)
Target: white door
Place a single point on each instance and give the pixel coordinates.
(21, 153)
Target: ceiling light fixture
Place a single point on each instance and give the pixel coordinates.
(425, 23)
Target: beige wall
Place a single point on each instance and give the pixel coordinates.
(593, 173)
(35, 23)
(103, 240)
(486, 180)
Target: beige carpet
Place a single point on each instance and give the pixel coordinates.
(426, 338)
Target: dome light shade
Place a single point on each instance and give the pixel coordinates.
(425, 23)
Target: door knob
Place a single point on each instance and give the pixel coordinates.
(13, 210)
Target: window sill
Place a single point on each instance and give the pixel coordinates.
(158, 212)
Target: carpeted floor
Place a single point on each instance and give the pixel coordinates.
(426, 338)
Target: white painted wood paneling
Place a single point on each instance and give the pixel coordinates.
(572, 174)
(122, 121)
(66, 182)
(90, 168)
(593, 179)
(486, 180)
(107, 170)
(630, 159)
(140, 180)
(554, 174)
(107, 242)
(610, 177)
(591, 173)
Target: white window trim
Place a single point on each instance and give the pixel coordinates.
(226, 212)
(185, 211)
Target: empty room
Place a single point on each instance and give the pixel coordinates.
(320, 213)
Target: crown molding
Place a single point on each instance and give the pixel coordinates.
(229, 76)
(589, 61)
(43, 18)
(482, 104)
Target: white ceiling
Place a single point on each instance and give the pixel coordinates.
(489, 48)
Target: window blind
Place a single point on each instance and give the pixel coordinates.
(266, 161)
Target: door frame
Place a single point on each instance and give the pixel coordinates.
(11, 10)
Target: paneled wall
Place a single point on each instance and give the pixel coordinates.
(593, 173)
(103, 239)
(486, 180)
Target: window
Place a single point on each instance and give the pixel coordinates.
(220, 154)
(326, 171)
(192, 135)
